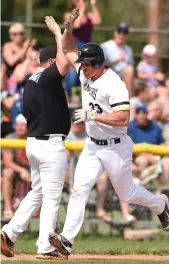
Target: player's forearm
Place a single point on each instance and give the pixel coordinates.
(68, 44)
(60, 54)
(113, 119)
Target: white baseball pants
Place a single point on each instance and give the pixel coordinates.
(116, 159)
(48, 162)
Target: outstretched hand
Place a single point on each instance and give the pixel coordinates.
(52, 25)
(70, 22)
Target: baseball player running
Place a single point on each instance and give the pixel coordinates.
(105, 111)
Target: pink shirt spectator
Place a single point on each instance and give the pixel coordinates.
(147, 68)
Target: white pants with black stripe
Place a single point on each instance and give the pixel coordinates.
(48, 162)
(116, 159)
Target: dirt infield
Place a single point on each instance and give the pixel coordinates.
(94, 257)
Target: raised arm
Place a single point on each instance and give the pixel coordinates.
(69, 48)
(95, 14)
(11, 58)
(61, 61)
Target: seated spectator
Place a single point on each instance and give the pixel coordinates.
(148, 72)
(6, 122)
(155, 112)
(15, 164)
(15, 50)
(164, 100)
(3, 77)
(142, 130)
(20, 75)
(140, 95)
(24, 70)
(119, 56)
(82, 33)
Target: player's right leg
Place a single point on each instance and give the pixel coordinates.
(88, 170)
(28, 206)
(118, 163)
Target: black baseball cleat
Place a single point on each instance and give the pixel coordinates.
(164, 216)
(60, 243)
(54, 255)
(7, 246)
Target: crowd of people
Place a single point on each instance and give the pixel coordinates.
(149, 101)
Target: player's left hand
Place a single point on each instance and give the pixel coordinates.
(70, 22)
(52, 25)
(84, 115)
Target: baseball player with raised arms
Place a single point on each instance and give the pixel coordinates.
(106, 112)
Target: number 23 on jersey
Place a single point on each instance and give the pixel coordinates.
(96, 107)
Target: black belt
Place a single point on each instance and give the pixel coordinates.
(47, 137)
(105, 142)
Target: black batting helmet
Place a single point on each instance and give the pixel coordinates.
(91, 52)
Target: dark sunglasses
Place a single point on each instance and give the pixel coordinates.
(17, 33)
(125, 32)
(141, 111)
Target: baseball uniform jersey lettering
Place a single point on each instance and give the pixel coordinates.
(100, 96)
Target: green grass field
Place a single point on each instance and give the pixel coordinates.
(104, 245)
(100, 245)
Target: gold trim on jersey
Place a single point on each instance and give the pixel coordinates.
(121, 109)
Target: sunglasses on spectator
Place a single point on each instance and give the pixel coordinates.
(140, 110)
(125, 32)
(17, 33)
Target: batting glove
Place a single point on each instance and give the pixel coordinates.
(84, 115)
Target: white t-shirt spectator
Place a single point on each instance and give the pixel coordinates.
(114, 52)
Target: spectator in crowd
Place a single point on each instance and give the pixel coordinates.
(119, 56)
(25, 69)
(164, 100)
(77, 131)
(155, 112)
(142, 130)
(3, 77)
(82, 33)
(140, 95)
(20, 75)
(148, 71)
(15, 163)
(15, 50)
(6, 122)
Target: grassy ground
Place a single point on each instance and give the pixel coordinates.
(103, 245)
